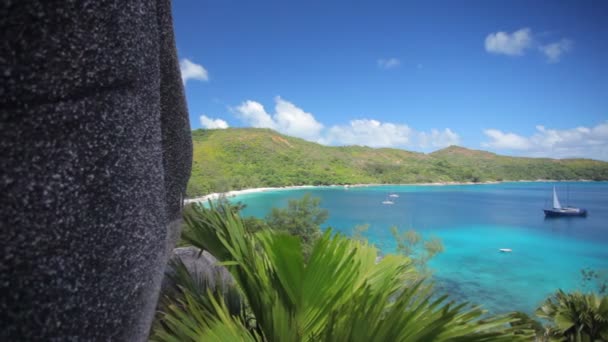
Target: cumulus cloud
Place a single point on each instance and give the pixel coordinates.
(192, 71)
(587, 142)
(210, 123)
(288, 118)
(513, 44)
(254, 114)
(373, 133)
(368, 132)
(293, 120)
(501, 140)
(516, 44)
(438, 139)
(388, 63)
(555, 50)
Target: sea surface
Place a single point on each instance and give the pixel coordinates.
(474, 222)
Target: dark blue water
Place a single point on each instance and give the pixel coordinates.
(474, 221)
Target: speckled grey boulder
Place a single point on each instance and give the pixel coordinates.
(95, 153)
(200, 266)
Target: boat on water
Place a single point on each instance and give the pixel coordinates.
(389, 199)
(559, 211)
(505, 250)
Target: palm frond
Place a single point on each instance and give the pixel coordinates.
(339, 293)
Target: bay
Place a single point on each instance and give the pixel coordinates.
(474, 221)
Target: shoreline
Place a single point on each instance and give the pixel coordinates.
(234, 193)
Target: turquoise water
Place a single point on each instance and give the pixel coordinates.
(474, 221)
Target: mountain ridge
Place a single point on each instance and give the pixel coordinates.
(238, 158)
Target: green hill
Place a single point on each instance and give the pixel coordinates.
(238, 158)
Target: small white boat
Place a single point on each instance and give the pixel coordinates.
(505, 250)
(388, 202)
(393, 195)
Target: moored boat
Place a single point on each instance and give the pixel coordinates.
(559, 211)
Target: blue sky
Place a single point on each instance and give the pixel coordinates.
(513, 77)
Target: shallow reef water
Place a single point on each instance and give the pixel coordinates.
(474, 222)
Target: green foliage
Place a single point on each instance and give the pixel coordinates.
(411, 244)
(237, 158)
(340, 294)
(595, 279)
(576, 316)
(302, 218)
(359, 231)
(223, 203)
(183, 288)
(525, 323)
(253, 224)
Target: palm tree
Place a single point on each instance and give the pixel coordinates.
(339, 293)
(576, 316)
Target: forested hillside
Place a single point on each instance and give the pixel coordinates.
(238, 158)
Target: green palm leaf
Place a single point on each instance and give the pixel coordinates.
(577, 316)
(338, 293)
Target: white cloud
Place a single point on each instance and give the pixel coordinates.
(210, 123)
(288, 119)
(516, 44)
(192, 71)
(254, 114)
(587, 142)
(292, 120)
(501, 140)
(373, 133)
(388, 63)
(438, 139)
(513, 44)
(554, 51)
(368, 132)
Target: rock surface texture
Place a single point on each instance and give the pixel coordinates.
(202, 266)
(95, 153)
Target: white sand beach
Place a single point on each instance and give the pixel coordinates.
(234, 193)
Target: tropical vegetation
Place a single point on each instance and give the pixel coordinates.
(238, 158)
(302, 218)
(595, 280)
(411, 244)
(576, 317)
(339, 293)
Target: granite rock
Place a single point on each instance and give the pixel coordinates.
(95, 153)
(200, 265)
